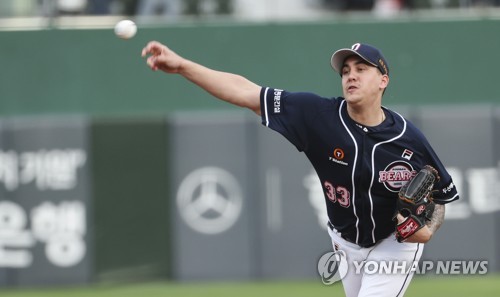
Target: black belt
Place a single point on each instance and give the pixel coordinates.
(330, 225)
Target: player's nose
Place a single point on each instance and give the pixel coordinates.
(351, 76)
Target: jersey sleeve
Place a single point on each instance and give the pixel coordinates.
(289, 114)
(445, 189)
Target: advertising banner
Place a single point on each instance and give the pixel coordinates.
(44, 202)
(213, 196)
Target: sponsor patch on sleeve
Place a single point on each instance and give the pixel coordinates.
(277, 106)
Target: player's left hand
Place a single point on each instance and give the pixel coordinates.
(415, 207)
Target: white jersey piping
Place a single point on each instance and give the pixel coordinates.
(265, 107)
(353, 171)
(449, 199)
(373, 172)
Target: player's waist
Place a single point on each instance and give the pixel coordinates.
(350, 237)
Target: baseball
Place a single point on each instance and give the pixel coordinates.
(125, 29)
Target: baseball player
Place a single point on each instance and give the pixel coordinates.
(362, 152)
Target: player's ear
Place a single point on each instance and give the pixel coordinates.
(384, 82)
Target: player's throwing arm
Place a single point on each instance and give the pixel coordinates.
(228, 87)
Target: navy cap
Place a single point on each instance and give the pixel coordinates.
(367, 52)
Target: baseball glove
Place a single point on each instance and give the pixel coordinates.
(415, 203)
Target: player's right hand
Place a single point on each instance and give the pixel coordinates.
(162, 58)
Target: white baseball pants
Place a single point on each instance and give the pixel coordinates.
(364, 282)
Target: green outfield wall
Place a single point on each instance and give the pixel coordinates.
(92, 72)
(130, 198)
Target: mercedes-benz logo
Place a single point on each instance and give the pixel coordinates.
(209, 200)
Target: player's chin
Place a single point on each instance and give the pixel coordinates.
(352, 99)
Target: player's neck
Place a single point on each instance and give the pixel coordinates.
(367, 116)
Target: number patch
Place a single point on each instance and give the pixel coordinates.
(337, 194)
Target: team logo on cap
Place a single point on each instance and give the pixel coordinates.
(356, 46)
(396, 174)
(382, 64)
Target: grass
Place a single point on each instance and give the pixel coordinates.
(484, 286)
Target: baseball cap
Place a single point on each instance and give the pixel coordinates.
(366, 52)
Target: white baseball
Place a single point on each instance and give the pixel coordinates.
(125, 29)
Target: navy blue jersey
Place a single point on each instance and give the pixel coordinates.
(361, 168)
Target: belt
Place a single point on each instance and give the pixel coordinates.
(330, 225)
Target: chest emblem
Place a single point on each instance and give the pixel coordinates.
(338, 156)
(396, 174)
(407, 154)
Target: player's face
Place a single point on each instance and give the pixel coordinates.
(362, 83)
